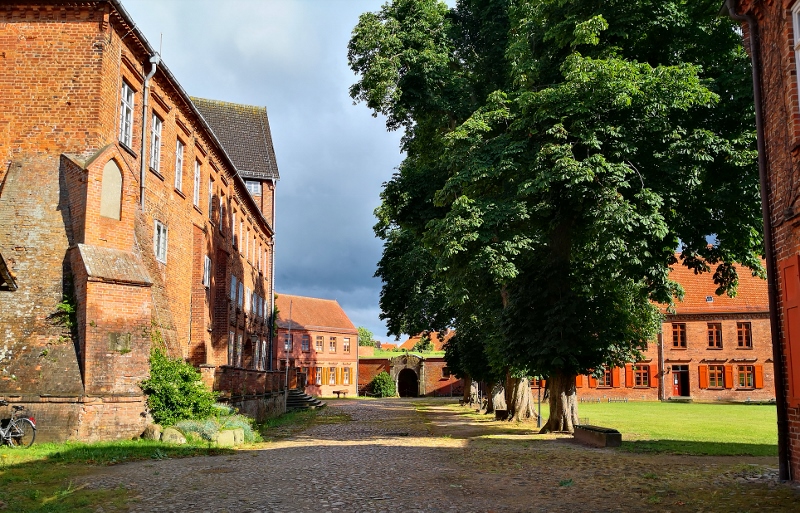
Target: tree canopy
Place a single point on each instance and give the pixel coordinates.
(557, 155)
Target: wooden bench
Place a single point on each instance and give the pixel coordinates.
(340, 393)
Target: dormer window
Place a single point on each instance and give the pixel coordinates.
(253, 187)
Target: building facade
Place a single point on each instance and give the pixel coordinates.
(413, 375)
(772, 37)
(711, 348)
(131, 216)
(317, 339)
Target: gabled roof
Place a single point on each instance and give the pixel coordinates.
(310, 313)
(438, 343)
(751, 293)
(244, 132)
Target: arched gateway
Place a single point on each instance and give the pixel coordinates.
(407, 383)
(408, 372)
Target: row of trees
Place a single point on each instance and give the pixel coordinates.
(556, 155)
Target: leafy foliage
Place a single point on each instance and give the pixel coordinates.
(365, 337)
(424, 345)
(382, 385)
(175, 390)
(557, 154)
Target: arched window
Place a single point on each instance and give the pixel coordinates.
(111, 192)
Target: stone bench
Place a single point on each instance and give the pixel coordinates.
(340, 393)
(598, 436)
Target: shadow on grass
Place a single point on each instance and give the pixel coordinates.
(686, 447)
(43, 477)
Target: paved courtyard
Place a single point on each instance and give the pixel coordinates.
(393, 456)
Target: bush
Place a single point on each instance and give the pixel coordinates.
(204, 429)
(175, 391)
(241, 421)
(383, 385)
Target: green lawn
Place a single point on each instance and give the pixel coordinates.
(693, 428)
(380, 353)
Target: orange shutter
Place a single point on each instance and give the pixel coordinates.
(628, 375)
(544, 383)
(615, 377)
(592, 382)
(325, 375)
(790, 292)
(702, 371)
(654, 376)
(759, 376)
(578, 381)
(729, 376)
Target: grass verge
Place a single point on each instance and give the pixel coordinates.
(45, 476)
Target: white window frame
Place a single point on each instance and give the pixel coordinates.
(196, 194)
(160, 241)
(318, 376)
(345, 345)
(210, 197)
(207, 272)
(346, 376)
(239, 350)
(331, 375)
(179, 150)
(127, 96)
(231, 347)
(253, 187)
(234, 288)
(240, 296)
(287, 342)
(155, 142)
(332, 343)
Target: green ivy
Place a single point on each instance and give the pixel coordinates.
(175, 390)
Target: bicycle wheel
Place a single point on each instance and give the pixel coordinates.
(23, 433)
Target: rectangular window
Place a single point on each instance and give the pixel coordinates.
(714, 335)
(231, 347)
(332, 375)
(196, 195)
(179, 147)
(744, 335)
(239, 350)
(346, 376)
(210, 198)
(318, 344)
(446, 372)
(346, 345)
(318, 376)
(679, 335)
(155, 143)
(235, 241)
(332, 345)
(240, 298)
(253, 187)
(641, 375)
(604, 380)
(160, 242)
(306, 343)
(716, 376)
(248, 300)
(241, 232)
(126, 115)
(746, 376)
(287, 342)
(207, 272)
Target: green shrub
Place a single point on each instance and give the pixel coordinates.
(204, 429)
(383, 385)
(241, 421)
(175, 391)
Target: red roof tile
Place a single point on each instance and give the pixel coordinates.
(751, 293)
(438, 343)
(311, 313)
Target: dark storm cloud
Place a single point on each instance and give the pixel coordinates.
(291, 56)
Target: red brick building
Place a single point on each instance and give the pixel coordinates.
(711, 348)
(414, 376)
(320, 341)
(130, 215)
(772, 37)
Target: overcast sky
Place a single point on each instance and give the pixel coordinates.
(291, 56)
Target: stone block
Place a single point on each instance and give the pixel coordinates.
(152, 432)
(173, 436)
(225, 438)
(598, 436)
(238, 436)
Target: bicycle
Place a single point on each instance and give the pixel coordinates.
(20, 431)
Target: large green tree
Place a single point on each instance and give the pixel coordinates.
(557, 154)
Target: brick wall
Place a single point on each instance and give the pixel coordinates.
(312, 359)
(436, 382)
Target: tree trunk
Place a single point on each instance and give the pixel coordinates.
(467, 388)
(563, 403)
(519, 401)
(498, 398)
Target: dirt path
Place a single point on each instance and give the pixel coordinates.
(391, 457)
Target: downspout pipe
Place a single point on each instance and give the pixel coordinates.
(777, 349)
(155, 59)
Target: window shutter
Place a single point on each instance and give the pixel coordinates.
(615, 377)
(592, 382)
(578, 381)
(544, 383)
(790, 291)
(654, 376)
(325, 377)
(628, 375)
(702, 371)
(729, 376)
(759, 371)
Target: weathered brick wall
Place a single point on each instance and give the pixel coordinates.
(368, 368)
(437, 383)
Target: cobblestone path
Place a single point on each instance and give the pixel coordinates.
(394, 457)
(382, 461)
